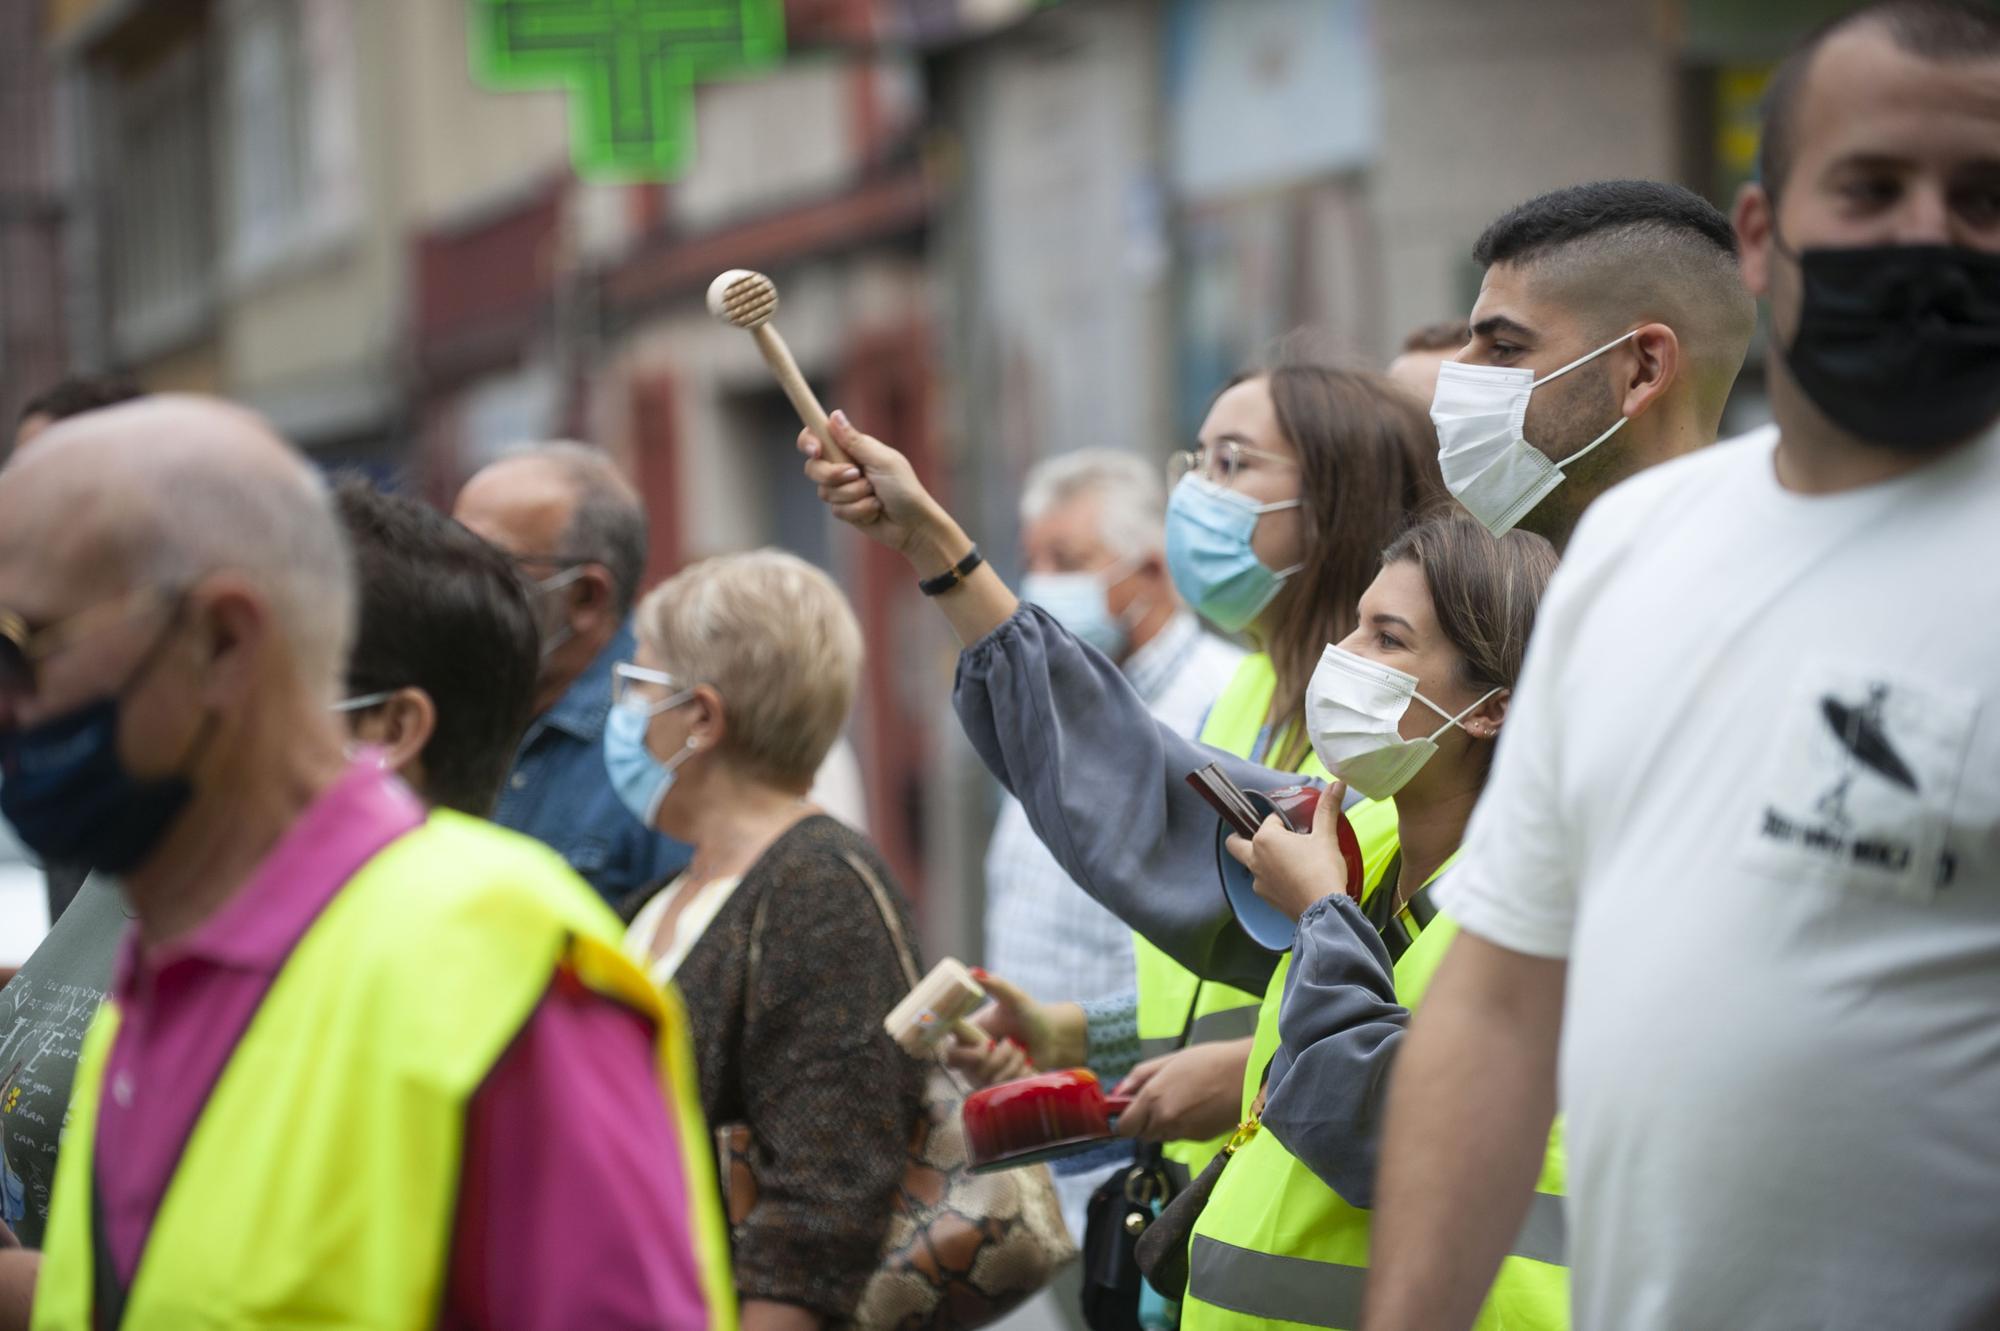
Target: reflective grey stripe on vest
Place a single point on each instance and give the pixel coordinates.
(1290, 1289)
(1544, 1235)
(1236, 1023)
(1296, 1289)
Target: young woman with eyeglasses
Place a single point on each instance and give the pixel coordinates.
(1301, 474)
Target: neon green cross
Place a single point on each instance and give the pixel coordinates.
(631, 66)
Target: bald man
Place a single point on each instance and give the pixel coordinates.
(577, 534)
(1616, 308)
(359, 1064)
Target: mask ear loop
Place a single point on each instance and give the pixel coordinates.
(1450, 720)
(1282, 574)
(688, 750)
(1580, 453)
(1616, 426)
(1586, 358)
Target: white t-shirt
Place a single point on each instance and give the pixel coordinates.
(1750, 788)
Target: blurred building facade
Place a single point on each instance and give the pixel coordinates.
(1001, 229)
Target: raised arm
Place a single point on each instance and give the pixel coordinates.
(879, 493)
(1103, 781)
(1105, 787)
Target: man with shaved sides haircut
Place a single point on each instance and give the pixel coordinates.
(1615, 309)
(1732, 895)
(360, 1063)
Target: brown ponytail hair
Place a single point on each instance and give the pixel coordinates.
(1368, 465)
(1484, 590)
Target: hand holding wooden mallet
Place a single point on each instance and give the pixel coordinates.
(937, 1009)
(747, 300)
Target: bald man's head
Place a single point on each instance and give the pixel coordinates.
(1619, 253)
(169, 489)
(565, 499)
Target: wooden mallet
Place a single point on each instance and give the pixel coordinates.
(747, 300)
(937, 1009)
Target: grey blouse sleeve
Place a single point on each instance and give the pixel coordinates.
(1338, 1030)
(1105, 787)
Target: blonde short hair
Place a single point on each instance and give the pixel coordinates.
(774, 636)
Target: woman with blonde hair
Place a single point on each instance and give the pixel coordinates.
(745, 671)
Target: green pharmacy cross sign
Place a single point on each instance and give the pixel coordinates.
(631, 66)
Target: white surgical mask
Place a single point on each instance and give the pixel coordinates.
(1080, 603)
(1354, 714)
(1489, 465)
(555, 582)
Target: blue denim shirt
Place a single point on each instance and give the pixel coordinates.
(559, 792)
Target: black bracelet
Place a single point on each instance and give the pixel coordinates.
(952, 576)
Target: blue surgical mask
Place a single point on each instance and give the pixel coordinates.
(1077, 602)
(1209, 555)
(641, 780)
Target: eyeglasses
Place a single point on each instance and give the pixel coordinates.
(362, 703)
(23, 649)
(522, 563)
(1220, 464)
(568, 568)
(647, 692)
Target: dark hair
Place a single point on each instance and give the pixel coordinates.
(1484, 589)
(1561, 218)
(1445, 335)
(442, 611)
(73, 397)
(1368, 461)
(1936, 30)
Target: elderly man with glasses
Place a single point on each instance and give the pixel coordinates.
(577, 534)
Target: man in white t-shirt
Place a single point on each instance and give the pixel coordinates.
(1741, 849)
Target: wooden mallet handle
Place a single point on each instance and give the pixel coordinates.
(747, 300)
(779, 357)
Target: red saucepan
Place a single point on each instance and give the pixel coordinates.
(1038, 1118)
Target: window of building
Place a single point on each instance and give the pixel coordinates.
(289, 129)
(161, 225)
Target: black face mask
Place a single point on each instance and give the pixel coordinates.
(71, 800)
(1900, 344)
(68, 794)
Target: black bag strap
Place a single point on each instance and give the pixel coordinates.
(1187, 1022)
(1388, 919)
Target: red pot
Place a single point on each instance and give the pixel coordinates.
(1038, 1118)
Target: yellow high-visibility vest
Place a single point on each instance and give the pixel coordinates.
(1276, 1248)
(1167, 989)
(318, 1185)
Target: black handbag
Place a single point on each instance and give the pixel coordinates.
(1120, 1211)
